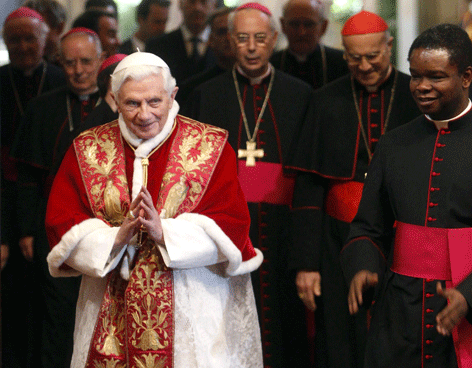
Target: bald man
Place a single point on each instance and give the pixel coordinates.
(304, 22)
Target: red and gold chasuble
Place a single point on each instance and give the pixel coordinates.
(135, 324)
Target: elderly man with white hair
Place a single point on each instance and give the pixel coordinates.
(148, 209)
(304, 22)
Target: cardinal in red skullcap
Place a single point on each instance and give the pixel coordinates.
(26, 76)
(49, 124)
(331, 156)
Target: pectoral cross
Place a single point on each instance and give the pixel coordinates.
(250, 153)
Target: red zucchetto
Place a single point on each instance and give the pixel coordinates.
(364, 23)
(256, 6)
(24, 12)
(111, 60)
(80, 30)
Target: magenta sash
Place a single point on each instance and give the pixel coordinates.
(265, 183)
(441, 254)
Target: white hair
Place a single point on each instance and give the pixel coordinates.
(323, 7)
(272, 23)
(138, 73)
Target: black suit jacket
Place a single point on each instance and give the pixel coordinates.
(171, 48)
(127, 47)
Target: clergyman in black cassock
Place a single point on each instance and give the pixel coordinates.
(420, 179)
(331, 154)
(284, 102)
(304, 22)
(50, 124)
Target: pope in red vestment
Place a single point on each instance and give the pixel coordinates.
(148, 209)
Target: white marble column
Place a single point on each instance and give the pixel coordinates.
(407, 30)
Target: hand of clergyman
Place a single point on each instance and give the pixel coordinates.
(149, 217)
(452, 314)
(308, 286)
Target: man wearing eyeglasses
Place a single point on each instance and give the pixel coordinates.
(261, 107)
(50, 123)
(331, 156)
(304, 22)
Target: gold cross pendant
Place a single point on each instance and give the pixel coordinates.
(250, 153)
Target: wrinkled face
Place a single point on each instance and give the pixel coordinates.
(303, 27)
(436, 85)
(81, 62)
(195, 13)
(155, 23)
(145, 105)
(108, 33)
(368, 57)
(25, 41)
(219, 38)
(253, 41)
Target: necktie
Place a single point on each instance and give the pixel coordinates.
(194, 55)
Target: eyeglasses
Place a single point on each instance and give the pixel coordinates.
(371, 58)
(242, 39)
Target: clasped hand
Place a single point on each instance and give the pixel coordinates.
(145, 216)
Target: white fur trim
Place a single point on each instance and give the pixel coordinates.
(194, 240)
(87, 248)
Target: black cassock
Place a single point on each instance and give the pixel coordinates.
(19, 323)
(314, 70)
(40, 144)
(281, 313)
(329, 152)
(421, 176)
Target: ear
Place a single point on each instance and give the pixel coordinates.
(467, 77)
(282, 25)
(324, 27)
(116, 102)
(390, 43)
(174, 93)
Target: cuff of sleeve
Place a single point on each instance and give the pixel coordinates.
(361, 254)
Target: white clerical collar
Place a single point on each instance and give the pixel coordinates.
(300, 58)
(255, 80)
(444, 124)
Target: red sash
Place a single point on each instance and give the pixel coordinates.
(441, 254)
(265, 183)
(135, 326)
(342, 199)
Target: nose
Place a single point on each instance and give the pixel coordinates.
(423, 85)
(79, 68)
(251, 45)
(364, 65)
(143, 112)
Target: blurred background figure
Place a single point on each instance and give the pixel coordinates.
(185, 49)
(103, 23)
(151, 16)
(219, 43)
(25, 77)
(106, 109)
(304, 22)
(108, 6)
(54, 14)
